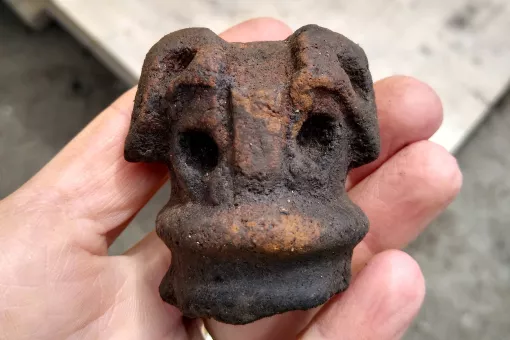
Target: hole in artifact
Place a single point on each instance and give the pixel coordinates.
(180, 60)
(317, 133)
(199, 150)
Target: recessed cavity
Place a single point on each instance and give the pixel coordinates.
(199, 150)
(179, 60)
(317, 133)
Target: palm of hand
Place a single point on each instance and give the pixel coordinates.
(57, 281)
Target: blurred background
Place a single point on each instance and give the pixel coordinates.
(63, 61)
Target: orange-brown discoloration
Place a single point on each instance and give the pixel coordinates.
(287, 233)
(234, 229)
(253, 155)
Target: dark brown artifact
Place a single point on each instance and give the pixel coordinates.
(258, 139)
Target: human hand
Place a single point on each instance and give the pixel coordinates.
(58, 282)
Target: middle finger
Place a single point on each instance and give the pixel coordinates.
(408, 111)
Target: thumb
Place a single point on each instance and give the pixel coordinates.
(152, 258)
(380, 304)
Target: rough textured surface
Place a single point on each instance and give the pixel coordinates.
(258, 139)
(464, 254)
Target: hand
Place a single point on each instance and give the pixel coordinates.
(57, 281)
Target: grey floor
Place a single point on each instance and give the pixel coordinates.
(50, 87)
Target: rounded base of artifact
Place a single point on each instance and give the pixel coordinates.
(239, 290)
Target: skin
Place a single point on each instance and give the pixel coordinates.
(57, 281)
